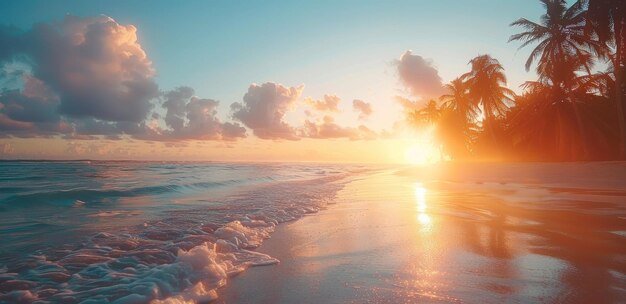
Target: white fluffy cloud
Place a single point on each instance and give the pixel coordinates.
(82, 74)
(90, 77)
(419, 76)
(264, 107)
(190, 117)
(95, 65)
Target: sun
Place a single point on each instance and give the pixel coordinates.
(421, 150)
(421, 153)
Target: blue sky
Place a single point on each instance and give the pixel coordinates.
(346, 48)
(333, 47)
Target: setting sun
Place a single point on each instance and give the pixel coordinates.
(421, 149)
(321, 151)
(421, 154)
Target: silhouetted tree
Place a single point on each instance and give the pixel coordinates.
(429, 114)
(564, 49)
(487, 88)
(458, 100)
(607, 19)
(559, 36)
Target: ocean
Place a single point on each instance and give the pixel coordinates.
(131, 232)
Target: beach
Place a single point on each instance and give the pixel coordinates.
(534, 233)
(313, 233)
(312, 152)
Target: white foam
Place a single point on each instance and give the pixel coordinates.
(183, 259)
(197, 294)
(213, 264)
(245, 236)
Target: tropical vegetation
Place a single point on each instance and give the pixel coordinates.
(573, 111)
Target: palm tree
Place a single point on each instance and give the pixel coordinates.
(452, 128)
(559, 36)
(487, 88)
(428, 114)
(456, 127)
(607, 19)
(459, 101)
(562, 49)
(544, 123)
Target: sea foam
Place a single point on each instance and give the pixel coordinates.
(183, 256)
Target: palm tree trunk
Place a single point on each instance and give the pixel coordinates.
(617, 67)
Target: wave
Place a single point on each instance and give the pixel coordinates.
(183, 257)
(69, 197)
(63, 184)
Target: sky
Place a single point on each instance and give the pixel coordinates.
(238, 80)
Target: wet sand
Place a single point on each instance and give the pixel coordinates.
(515, 234)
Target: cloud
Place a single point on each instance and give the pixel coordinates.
(327, 128)
(90, 128)
(264, 107)
(408, 106)
(419, 76)
(87, 78)
(190, 117)
(95, 66)
(330, 103)
(31, 111)
(363, 108)
(175, 102)
(80, 74)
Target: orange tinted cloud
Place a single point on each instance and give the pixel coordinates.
(363, 108)
(88, 71)
(264, 107)
(189, 117)
(330, 103)
(327, 128)
(419, 76)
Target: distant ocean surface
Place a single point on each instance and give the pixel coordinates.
(132, 232)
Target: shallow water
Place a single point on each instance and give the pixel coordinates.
(516, 233)
(466, 233)
(139, 231)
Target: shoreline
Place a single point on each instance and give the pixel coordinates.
(396, 237)
(298, 245)
(463, 233)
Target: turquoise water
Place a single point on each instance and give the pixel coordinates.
(137, 231)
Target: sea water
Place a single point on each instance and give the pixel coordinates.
(135, 232)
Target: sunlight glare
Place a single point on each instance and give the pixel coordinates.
(420, 199)
(423, 218)
(422, 150)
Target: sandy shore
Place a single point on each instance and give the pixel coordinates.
(401, 237)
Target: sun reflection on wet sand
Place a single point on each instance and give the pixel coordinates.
(420, 198)
(404, 238)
